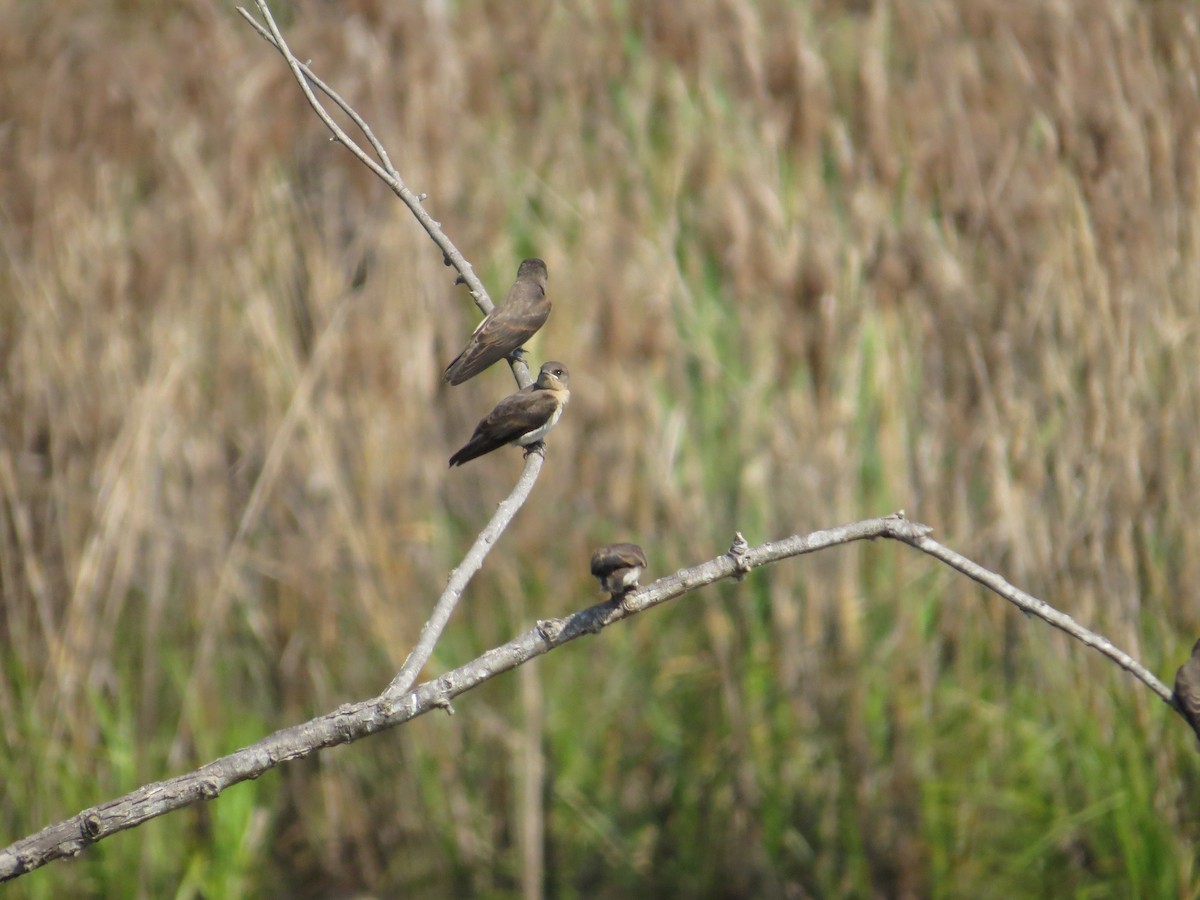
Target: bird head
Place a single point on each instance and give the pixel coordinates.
(553, 376)
(532, 269)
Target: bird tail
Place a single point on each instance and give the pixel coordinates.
(465, 455)
(460, 369)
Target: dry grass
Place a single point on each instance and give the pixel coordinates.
(812, 262)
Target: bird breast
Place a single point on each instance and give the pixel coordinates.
(622, 579)
(540, 432)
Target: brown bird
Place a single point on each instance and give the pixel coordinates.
(507, 327)
(521, 418)
(618, 566)
(1187, 691)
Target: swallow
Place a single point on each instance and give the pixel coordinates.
(618, 566)
(507, 327)
(522, 418)
(1187, 691)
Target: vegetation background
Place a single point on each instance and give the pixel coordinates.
(812, 262)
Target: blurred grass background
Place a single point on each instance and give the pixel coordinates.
(812, 262)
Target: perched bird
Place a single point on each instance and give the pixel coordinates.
(618, 566)
(521, 418)
(508, 326)
(1187, 690)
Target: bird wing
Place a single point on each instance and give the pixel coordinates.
(617, 556)
(519, 414)
(508, 327)
(514, 416)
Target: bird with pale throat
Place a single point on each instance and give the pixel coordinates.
(523, 418)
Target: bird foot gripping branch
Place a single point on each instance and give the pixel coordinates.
(538, 447)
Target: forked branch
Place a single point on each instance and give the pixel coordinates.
(461, 576)
(358, 720)
(398, 703)
(381, 164)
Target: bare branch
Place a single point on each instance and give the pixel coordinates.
(460, 577)
(357, 720)
(383, 169)
(398, 703)
(1032, 606)
(444, 608)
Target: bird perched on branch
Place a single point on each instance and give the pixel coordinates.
(618, 566)
(507, 327)
(1187, 691)
(522, 418)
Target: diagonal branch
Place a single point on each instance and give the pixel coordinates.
(460, 577)
(383, 168)
(353, 721)
(1032, 606)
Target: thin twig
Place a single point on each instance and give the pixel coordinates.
(358, 720)
(383, 169)
(460, 577)
(1033, 606)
